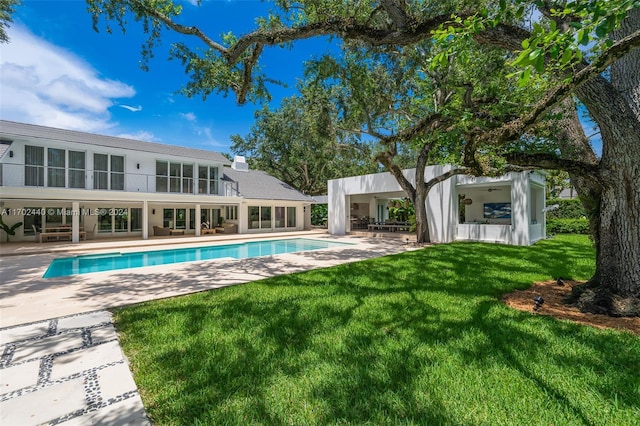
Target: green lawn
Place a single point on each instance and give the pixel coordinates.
(415, 338)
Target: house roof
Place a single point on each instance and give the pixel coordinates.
(14, 129)
(260, 185)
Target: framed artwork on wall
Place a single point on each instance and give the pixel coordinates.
(497, 210)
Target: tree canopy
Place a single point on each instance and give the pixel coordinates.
(554, 50)
(298, 144)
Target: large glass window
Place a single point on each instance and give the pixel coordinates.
(162, 173)
(231, 212)
(213, 180)
(121, 219)
(192, 218)
(279, 216)
(174, 180)
(291, 217)
(105, 220)
(32, 220)
(34, 165)
(55, 168)
(203, 182)
(254, 217)
(77, 168)
(265, 217)
(205, 218)
(54, 216)
(100, 171)
(136, 219)
(117, 173)
(187, 178)
(208, 180)
(167, 218)
(174, 177)
(181, 218)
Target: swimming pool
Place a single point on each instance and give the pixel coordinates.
(113, 261)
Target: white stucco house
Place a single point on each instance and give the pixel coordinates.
(102, 186)
(509, 209)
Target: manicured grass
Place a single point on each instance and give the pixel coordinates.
(417, 338)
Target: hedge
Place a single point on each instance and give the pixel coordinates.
(568, 226)
(569, 209)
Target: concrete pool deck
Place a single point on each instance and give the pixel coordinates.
(61, 362)
(27, 297)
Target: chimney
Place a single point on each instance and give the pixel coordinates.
(239, 164)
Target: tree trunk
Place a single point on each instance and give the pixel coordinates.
(615, 287)
(420, 205)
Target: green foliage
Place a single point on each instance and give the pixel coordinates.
(319, 214)
(550, 48)
(9, 230)
(569, 209)
(557, 181)
(418, 338)
(299, 145)
(7, 9)
(568, 226)
(402, 213)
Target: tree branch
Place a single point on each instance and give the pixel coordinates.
(432, 121)
(516, 128)
(548, 161)
(441, 178)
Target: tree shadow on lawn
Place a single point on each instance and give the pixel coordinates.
(379, 341)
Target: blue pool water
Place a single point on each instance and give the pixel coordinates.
(113, 261)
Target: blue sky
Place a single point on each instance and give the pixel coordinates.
(56, 71)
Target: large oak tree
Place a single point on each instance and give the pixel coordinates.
(550, 48)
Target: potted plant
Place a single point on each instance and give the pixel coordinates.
(9, 230)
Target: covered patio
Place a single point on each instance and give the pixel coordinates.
(508, 209)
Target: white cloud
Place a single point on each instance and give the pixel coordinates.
(44, 84)
(210, 140)
(130, 108)
(188, 116)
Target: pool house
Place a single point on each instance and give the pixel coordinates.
(509, 209)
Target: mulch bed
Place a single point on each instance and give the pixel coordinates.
(553, 295)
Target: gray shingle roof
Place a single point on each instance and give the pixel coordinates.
(260, 185)
(12, 128)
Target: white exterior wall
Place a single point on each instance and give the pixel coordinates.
(439, 202)
(442, 204)
(520, 205)
(139, 191)
(136, 179)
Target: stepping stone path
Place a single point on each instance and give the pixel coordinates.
(69, 371)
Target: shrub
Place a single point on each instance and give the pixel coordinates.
(569, 209)
(568, 226)
(319, 214)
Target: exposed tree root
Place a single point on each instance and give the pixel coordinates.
(597, 299)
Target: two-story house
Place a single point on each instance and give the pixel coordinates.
(102, 186)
